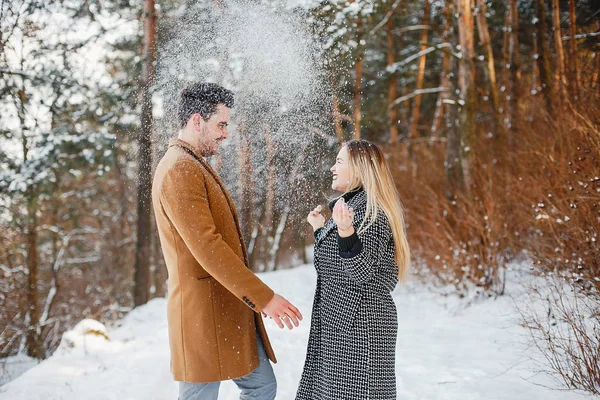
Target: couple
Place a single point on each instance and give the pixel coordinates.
(215, 302)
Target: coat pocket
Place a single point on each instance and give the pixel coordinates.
(339, 306)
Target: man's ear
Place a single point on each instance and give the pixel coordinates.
(197, 121)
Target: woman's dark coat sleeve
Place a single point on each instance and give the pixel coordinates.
(359, 262)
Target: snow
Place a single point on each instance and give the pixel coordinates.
(12, 367)
(445, 351)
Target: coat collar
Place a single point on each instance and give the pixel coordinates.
(186, 145)
(347, 197)
(196, 153)
(355, 199)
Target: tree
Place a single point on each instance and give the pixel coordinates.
(466, 82)
(543, 61)
(393, 80)
(573, 50)
(58, 186)
(486, 43)
(421, 74)
(445, 84)
(142, 259)
(511, 65)
(358, 73)
(561, 76)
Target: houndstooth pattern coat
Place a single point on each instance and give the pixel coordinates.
(352, 342)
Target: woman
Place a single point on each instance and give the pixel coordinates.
(360, 254)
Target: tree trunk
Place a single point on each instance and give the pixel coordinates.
(392, 83)
(574, 79)
(543, 61)
(561, 82)
(440, 106)
(403, 111)
(142, 254)
(358, 72)
(486, 43)
(33, 344)
(33, 340)
(246, 170)
(505, 58)
(535, 70)
(466, 82)
(455, 178)
(514, 74)
(420, 76)
(267, 240)
(335, 103)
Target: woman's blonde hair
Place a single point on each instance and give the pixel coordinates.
(369, 168)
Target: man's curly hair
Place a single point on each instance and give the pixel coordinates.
(202, 98)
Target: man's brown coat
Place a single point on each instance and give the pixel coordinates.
(214, 300)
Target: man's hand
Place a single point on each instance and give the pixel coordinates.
(280, 310)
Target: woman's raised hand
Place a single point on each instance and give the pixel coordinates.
(343, 217)
(315, 218)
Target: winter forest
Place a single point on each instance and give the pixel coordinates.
(488, 113)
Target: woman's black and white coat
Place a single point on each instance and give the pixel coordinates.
(351, 347)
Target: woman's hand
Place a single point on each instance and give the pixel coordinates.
(315, 218)
(343, 217)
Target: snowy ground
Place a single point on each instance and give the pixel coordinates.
(445, 351)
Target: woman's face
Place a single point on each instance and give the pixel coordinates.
(341, 171)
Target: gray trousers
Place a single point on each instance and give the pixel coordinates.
(260, 384)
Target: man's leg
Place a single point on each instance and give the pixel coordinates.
(260, 384)
(199, 391)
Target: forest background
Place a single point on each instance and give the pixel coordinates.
(487, 111)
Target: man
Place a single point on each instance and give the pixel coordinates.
(215, 302)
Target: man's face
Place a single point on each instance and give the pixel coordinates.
(212, 132)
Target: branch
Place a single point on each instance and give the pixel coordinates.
(442, 46)
(23, 74)
(416, 93)
(57, 263)
(386, 18)
(582, 36)
(412, 28)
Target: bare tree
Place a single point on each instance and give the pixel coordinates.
(486, 43)
(358, 73)
(466, 82)
(392, 82)
(269, 213)
(543, 61)
(512, 73)
(441, 106)
(421, 74)
(250, 225)
(335, 104)
(561, 79)
(574, 79)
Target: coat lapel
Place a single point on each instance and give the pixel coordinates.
(186, 146)
(329, 226)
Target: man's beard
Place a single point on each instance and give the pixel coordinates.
(206, 151)
(207, 147)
